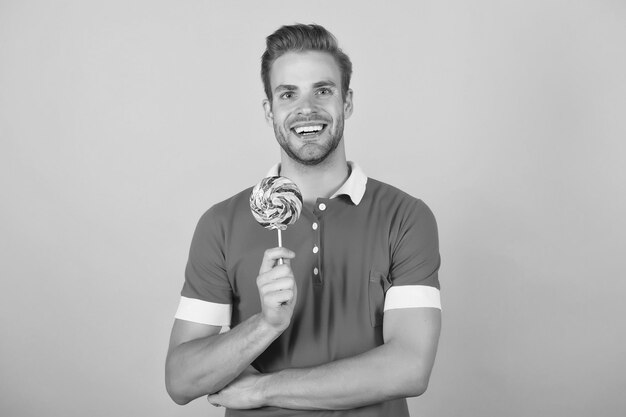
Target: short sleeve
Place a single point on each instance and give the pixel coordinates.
(206, 296)
(415, 260)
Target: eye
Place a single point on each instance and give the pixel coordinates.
(287, 95)
(324, 91)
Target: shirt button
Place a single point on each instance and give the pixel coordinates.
(322, 206)
(314, 226)
(315, 249)
(315, 271)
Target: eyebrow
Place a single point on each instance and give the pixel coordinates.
(283, 87)
(326, 83)
(289, 87)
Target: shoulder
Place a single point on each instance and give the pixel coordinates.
(228, 210)
(394, 200)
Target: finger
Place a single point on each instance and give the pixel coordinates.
(213, 400)
(279, 298)
(253, 371)
(271, 256)
(280, 284)
(280, 271)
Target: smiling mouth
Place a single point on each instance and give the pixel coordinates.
(309, 131)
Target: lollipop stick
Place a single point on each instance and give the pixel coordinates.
(280, 260)
(280, 244)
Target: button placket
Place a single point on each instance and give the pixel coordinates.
(317, 277)
(316, 227)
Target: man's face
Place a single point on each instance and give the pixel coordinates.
(307, 110)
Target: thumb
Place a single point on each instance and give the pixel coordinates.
(213, 400)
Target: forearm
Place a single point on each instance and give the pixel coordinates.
(384, 373)
(204, 366)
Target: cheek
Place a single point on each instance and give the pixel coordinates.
(281, 112)
(278, 117)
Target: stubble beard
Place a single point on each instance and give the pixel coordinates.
(305, 155)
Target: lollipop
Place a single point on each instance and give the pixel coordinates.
(276, 202)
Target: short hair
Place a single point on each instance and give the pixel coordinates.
(301, 38)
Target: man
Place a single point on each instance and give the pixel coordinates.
(350, 322)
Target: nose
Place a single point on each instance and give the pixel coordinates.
(306, 105)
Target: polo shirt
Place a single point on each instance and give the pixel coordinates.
(367, 249)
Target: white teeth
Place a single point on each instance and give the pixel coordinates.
(308, 129)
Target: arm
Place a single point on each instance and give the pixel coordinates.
(403, 362)
(200, 361)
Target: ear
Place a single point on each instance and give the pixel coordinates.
(348, 104)
(267, 108)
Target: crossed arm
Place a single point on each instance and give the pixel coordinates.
(201, 362)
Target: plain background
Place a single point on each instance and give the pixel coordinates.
(121, 122)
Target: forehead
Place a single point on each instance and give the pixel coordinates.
(304, 68)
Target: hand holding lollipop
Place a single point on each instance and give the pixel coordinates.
(276, 202)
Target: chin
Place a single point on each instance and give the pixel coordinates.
(312, 159)
(312, 162)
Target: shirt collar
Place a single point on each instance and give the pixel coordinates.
(354, 187)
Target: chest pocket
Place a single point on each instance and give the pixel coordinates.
(379, 283)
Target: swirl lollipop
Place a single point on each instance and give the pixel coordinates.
(276, 202)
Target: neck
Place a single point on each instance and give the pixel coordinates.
(317, 181)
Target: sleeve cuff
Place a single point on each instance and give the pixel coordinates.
(204, 312)
(412, 296)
